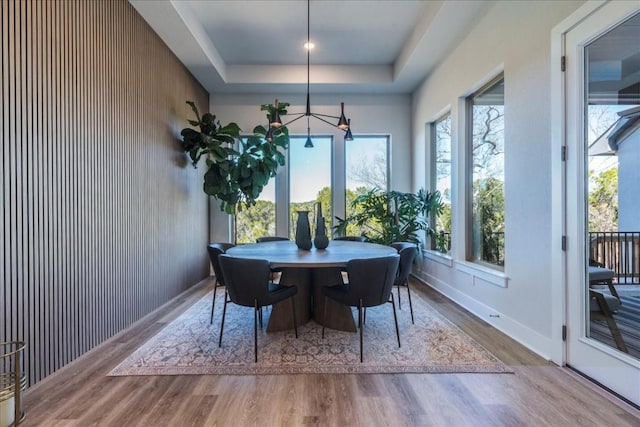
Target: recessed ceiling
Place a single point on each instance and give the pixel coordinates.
(362, 46)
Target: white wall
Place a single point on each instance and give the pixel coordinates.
(513, 37)
(628, 190)
(369, 114)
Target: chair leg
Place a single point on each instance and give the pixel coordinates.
(224, 312)
(360, 327)
(293, 311)
(395, 319)
(324, 315)
(399, 303)
(255, 330)
(213, 303)
(615, 332)
(410, 305)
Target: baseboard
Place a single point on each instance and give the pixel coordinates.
(525, 336)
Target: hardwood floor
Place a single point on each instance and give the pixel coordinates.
(538, 394)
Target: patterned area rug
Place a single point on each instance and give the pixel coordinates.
(189, 345)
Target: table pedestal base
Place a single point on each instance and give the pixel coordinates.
(310, 282)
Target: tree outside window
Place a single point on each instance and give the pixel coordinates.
(441, 165)
(487, 175)
(309, 179)
(258, 220)
(366, 168)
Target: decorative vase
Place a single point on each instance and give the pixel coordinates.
(303, 231)
(320, 241)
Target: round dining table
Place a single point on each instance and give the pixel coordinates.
(310, 270)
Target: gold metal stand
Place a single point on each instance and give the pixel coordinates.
(12, 382)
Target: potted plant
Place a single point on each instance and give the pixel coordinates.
(392, 216)
(235, 177)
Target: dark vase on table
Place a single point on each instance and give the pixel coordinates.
(320, 241)
(303, 231)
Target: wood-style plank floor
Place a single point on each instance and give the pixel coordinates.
(538, 394)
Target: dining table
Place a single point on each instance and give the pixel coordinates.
(310, 271)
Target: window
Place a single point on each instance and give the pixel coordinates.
(366, 168)
(258, 220)
(309, 178)
(486, 154)
(441, 169)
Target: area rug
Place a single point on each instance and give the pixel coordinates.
(189, 345)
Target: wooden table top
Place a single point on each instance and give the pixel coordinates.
(287, 254)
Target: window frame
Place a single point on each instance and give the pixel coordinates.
(433, 177)
(469, 173)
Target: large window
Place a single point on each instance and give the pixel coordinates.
(441, 169)
(309, 179)
(258, 220)
(366, 168)
(486, 153)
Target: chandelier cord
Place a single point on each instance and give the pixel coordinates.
(308, 111)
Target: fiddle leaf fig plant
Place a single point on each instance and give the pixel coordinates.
(235, 177)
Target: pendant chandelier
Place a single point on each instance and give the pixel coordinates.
(276, 121)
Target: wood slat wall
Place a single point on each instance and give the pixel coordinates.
(103, 219)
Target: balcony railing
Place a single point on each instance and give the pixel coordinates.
(618, 251)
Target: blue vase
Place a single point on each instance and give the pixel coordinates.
(303, 231)
(320, 241)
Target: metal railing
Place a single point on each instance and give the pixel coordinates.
(618, 251)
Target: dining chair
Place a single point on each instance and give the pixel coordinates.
(275, 271)
(248, 284)
(350, 238)
(370, 285)
(215, 250)
(264, 239)
(407, 252)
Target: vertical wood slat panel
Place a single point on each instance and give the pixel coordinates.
(99, 225)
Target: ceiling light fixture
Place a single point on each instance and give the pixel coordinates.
(343, 123)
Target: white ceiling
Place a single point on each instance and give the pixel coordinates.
(362, 46)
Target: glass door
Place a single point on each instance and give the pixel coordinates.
(602, 82)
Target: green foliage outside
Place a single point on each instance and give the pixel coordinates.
(488, 221)
(603, 201)
(255, 222)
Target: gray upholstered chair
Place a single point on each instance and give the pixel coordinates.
(370, 284)
(274, 270)
(407, 252)
(215, 250)
(350, 238)
(264, 239)
(248, 284)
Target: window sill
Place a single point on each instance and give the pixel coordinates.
(486, 274)
(438, 257)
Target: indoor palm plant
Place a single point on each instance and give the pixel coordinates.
(392, 216)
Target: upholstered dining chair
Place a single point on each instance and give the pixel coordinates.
(275, 271)
(264, 239)
(215, 250)
(370, 284)
(350, 238)
(407, 252)
(248, 284)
